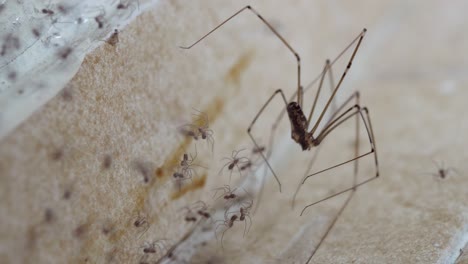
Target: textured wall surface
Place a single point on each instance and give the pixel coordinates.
(79, 172)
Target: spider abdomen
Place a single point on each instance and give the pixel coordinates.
(298, 125)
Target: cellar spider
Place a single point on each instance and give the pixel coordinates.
(154, 247)
(141, 221)
(311, 134)
(300, 124)
(240, 214)
(197, 209)
(199, 129)
(187, 163)
(235, 162)
(233, 196)
(442, 171)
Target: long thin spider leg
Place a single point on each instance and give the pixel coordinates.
(296, 55)
(356, 95)
(360, 36)
(221, 170)
(198, 165)
(337, 121)
(331, 226)
(210, 141)
(239, 170)
(356, 144)
(262, 187)
(194, 157)
(203, 116)
(454, 170)
(216, 228)
(436, 164)
(279, 91)
(224, 188)
(370, 134)
(356, 170)
(236, 152)
(342, 118)
(249, 224)
(338, 193)
(324, 72)
(243, 159)
(230, 175)
(144, 230)
(374, 145)
(309, 166)
(222, 237)
(331, 79)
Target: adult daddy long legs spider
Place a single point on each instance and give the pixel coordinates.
(309, 138)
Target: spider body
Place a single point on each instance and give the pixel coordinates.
(299, 126)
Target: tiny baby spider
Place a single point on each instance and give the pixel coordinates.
(228, 194)
(158, 246)
(185, 171)
(199, 129)
(442, 171)
(233, 197)
(187, 163)
(141, 223)
(234, 162)
(197, 209)
(122, 5)
(240, 214)
(227, 223)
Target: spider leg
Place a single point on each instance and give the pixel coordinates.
(319, 77)
(222, 237)
(239, 170)
(198, 165)
(230, 175)
(451, 169)
(199, 205)
(299, 92)
(192, 158)
(221, 170)
(309, 166)
(355, 96)
(296, 55)
(234, 154)
(262, 186)
(330, 227)
(210, 141)
(217, 190)
(279, 91)
(249, 224)
(216, 228)
(355, 110)
(146, 227)
(359, 38)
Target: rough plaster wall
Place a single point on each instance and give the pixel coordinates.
(127, 101)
